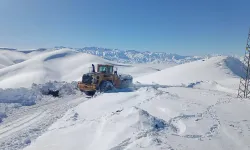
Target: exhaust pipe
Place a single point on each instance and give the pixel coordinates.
(93, 68)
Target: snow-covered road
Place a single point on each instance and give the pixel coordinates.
(28, 122)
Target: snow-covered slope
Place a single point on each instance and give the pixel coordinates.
(220, 69)
(171, 118)
(10, 57)
(61, 65)
(33, 70)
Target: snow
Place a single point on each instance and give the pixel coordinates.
(58, 65)
(217, 69)
(190, 106)
(134, 57)
(163, 118)
(2, 115)
(8, 58)
(124, 56)
(22, 96)
(27, 97)
(27, 113)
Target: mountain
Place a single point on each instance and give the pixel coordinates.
(60, 65)
(5, 48)
(130, 56)
(133, 56)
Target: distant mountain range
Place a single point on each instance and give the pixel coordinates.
(133, 56)
(10, 49)
(129, 56)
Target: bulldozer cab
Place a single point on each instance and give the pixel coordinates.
(107, 69)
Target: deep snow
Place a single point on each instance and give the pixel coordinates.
(184, 107)
(163, 118)
(27, 113)
(221, 70)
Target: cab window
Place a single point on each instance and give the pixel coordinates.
(106, 69)
(103, 69)
(110, 69)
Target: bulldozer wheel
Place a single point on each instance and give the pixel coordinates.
(106, 86)
(90, 93)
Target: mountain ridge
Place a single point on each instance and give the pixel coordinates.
(131, 56)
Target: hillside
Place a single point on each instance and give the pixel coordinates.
(60, 65)
(10, 57)
(191, 112)
(215, 70)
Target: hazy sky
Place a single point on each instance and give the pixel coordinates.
(175, 26)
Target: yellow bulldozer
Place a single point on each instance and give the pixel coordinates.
(104, 79)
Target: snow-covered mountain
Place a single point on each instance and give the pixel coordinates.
(62, 65)
(131, 56)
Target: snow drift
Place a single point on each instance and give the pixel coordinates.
(27, 97)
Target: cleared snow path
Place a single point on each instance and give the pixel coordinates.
(27, 123)
(22, 124)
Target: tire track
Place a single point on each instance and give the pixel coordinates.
(20, 125)
(18, 133)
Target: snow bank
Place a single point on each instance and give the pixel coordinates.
(63, 88)
(23, 96)
(27, 97)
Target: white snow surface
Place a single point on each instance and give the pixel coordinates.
(223, 70)
(26, 113)
(60, 65)
(191, 106)
(162, 118)
(8, 57)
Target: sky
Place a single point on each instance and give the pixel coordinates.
(188, 27)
